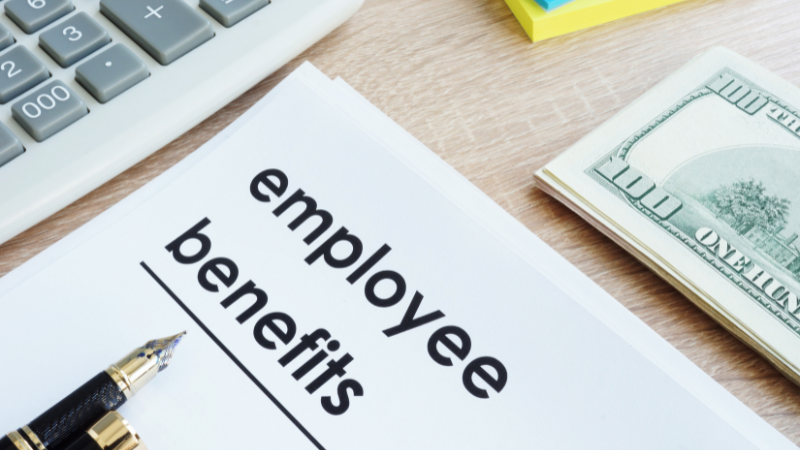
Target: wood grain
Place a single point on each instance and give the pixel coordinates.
(462, 77)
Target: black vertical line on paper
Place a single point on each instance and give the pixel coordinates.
(232, 357)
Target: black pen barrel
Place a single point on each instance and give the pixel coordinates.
(6, 444)
(86, 405)
(84, 442)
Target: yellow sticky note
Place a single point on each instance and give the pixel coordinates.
(576, 16)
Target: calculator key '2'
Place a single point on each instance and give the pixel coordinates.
(20, 70)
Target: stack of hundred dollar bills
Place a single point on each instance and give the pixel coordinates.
(700, 180)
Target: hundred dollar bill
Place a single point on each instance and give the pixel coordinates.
(700, 179)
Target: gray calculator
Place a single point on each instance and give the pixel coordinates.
(90, 87)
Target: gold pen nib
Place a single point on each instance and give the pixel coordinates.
(163, 349)
(134, 371)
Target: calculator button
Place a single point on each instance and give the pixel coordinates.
(6, 39)
(33, 15)
(166, 29)
(111, 73)
(73, 39)
(48, 110)
(231, 12)
(19, 71)
(10, 146)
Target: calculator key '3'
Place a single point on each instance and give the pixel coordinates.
(73, 39)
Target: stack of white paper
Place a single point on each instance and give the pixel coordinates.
(345, 289)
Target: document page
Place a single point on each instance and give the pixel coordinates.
(336, 297)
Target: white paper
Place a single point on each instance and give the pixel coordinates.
(582, 371)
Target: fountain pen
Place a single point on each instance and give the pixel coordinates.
(105, 392)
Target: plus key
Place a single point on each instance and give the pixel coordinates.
(166, 29)
(154, 12)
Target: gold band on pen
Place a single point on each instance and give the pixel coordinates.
(33, 438)
(134, 371)
(113, 432)
(19, 441)
(121, 379)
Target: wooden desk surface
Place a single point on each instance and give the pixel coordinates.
(461, 76)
